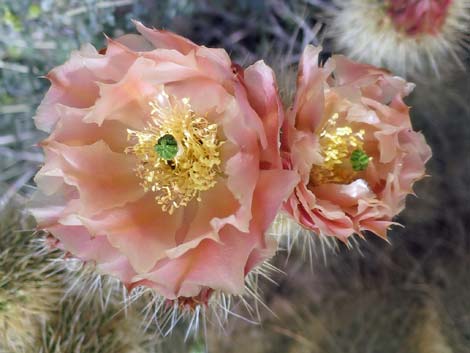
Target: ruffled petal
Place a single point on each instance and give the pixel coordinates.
(128, 100)
(139, 230)
(207, 217)
(78, 241)
(263, 94)
(72, 84)
(225, 262)
(71, 130)
(308, 106)
(164, 39)
(105, 179)
(344, 195)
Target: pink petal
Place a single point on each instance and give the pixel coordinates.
(388, 144)
(205, 96)
(243, 172)
(112, 66)
(105, 179)
(50, 177)
(128, 100)
(305, 153)
(309, 100)
(215, 63)
(165, 40)
(72, 84)
(140, 230)
(219, 266)
(344, 195)
(378, 227)
(78, 241)
(248, 116)
(47, 209)
(273, 188)
(71, 130)
(263, 94)
(208, 217)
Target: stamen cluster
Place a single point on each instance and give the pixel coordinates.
(337, 145)
(196, 162)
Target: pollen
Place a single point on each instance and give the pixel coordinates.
(343, 155)
(178, 153)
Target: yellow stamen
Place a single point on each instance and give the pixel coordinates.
(195, 165)
(337, 144)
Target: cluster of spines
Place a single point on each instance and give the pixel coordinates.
(30, 284)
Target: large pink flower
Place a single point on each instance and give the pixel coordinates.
(350, 138)
(162, 165)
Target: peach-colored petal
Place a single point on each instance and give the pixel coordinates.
(104, 178)
(164, 39)
(72, 84)
(205, 96)
(165, 56)
(119, 267)
(47, 209)
(78, 241)
(377, 227)
(71, 130)
(308, 105)
(225, 261)
(263, 95)
(260, 255)
(389, 114)
(139, 230)
(388, 144)
(128, 100)
(332, 221)
(305, 153)
(273, 185)
(113, 64)
(243, 175)
(215, 63)
(249, 116)
(344, 195)
(208, 217)
(415, 141)
(206, 63)
(50, 177)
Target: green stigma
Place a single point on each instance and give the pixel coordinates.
(166, 147)
(359, 160)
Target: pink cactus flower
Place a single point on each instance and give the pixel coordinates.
(413, 38)
(162, 165)
(350, 138)
(416, 17)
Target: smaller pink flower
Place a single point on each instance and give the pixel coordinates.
(350, 138)
(416, 17)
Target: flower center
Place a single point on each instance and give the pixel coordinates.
(343, 155)
(178, 153)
